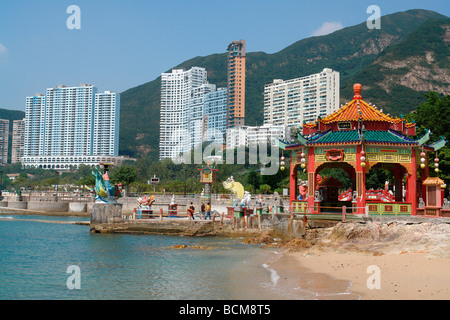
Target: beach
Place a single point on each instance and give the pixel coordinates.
(402, 276)
(373, 262)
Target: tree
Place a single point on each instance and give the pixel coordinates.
(253, 179)
(124, 174)
(434, 114)
(265, 188)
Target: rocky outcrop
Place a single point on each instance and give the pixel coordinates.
(432, 238)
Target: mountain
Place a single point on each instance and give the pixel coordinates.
(400, 76)
(351, 51)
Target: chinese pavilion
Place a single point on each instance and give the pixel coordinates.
(356, 138)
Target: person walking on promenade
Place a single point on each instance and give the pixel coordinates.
(202, 210)
(208, 211)
(191, 211)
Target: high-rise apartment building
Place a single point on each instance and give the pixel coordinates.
(237, 137)
(176, 90)
(236, 83)
(249, 135)
(192, 111)
(69, 126)
(266, 133)
(34, 125)
(215, 116)
(4, 137)
(105, 140)
(68, 120)
(17, 143)
(293, 102)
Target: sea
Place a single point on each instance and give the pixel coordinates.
(49, 258)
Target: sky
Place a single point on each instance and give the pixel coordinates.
(123, 44)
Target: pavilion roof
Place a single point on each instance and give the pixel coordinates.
(370, 136)
(356, 110)
(433, 181)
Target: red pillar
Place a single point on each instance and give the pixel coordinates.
(311, 179)
(292, 183)
(412, 183)
(398, 176)
(360, 183)
(425, 173)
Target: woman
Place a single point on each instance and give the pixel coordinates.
(191, 211)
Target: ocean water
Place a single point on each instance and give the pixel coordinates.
(36, 252)
(35, 256)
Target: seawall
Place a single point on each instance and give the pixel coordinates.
(108, 218)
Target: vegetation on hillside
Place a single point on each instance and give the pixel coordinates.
(348, 51)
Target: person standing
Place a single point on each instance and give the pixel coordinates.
(208, 211)
(202, 210)
(191, 211)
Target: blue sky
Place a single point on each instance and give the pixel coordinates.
(122, 44)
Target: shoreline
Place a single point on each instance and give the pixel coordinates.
(391, 261)
(413, 276)
(26, 212)
(333, 263)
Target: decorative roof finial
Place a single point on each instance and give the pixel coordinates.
(357, 89)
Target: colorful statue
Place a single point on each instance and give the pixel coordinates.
(146, 201)
(235, 187)
(246, 199)
(103, 190)
(303, 191)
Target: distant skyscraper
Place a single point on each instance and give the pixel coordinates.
(215, 116)
(292, 102)
(69, 126)
(34, 125)
(4, 135)
(68, 120)
(105, 139)
(236, 83)
(192, 111)
(176, 90)
(18, 135)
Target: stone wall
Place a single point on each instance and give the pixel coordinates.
(48, 206)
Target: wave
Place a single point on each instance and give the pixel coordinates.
(274, 277)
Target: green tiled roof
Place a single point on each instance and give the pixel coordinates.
(353, 136)
(385, 136)
(338, 136)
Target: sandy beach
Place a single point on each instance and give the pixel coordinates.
(370, 262)
(402, 276)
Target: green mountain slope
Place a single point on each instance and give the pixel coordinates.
(400, 76)
(348, 51)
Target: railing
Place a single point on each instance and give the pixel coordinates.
(161, 214)
(50, 197)
(301, 208)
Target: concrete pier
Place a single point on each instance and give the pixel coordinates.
(106, 214)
